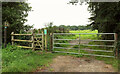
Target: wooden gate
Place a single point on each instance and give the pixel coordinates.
(39, 41)
(36, 41)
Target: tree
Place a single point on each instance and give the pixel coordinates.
(105, 17)
(15, 13)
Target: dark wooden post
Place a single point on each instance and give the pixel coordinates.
(5, 35)
(51, 41)
(116, 51)
(38, 30)
(6, 24)
(63, 30)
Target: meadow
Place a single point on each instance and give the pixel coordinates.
(88, 36)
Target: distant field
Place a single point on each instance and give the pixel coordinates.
(84, 36)
(84, 31)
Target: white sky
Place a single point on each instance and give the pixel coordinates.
(58, 12)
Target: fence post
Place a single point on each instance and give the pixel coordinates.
(32, 37)
(12, 38)
(46, 41)
(38, 30)
(79, 45)
(116, 51)
(51, 41)
(42, 40)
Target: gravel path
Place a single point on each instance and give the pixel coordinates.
(73, 64)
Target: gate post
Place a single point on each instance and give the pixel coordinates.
(42, 40)
(32, 37)
(45, 32)
(51, 41)
(116, 51)
(79, 44)
(12, 38)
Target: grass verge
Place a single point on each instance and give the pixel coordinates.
(16, 59)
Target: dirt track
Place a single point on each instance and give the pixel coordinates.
(72, 64)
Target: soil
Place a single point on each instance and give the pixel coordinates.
(73, 64)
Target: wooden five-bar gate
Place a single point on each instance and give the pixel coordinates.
(36, 41)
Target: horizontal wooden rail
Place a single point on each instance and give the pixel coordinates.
(37, 48)
(25, 47)
(37, 37)
(22, 40)
(22, 34)
(37, 41)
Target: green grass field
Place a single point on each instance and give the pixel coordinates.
(88, 36)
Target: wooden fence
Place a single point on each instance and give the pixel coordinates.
(36, 40)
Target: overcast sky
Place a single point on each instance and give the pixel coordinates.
(58, 12)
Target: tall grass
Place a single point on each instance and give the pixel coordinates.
(16, 59)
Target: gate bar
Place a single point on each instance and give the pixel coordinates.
(84, 33)
(83, 49)
(86, 40)
(86, 54)
(84, 44)
(67, 43)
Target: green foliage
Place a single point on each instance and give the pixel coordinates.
(16, 59)
(105, 17)
(15, 13)
(80, 27)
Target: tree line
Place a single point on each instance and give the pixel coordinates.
(74, 27)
